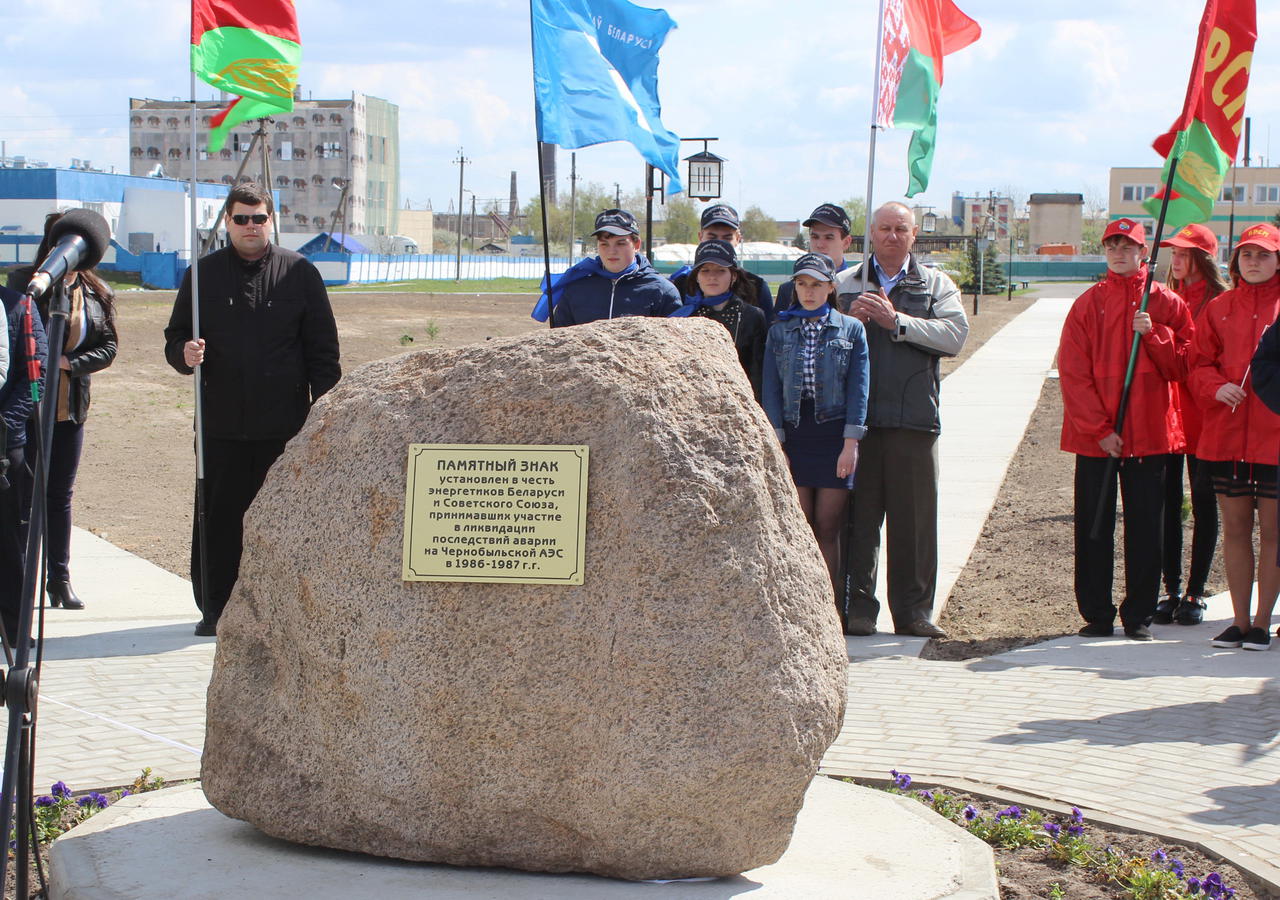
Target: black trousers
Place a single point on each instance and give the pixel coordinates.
(1204, 530)
(64, 462)
(233, 474)
(1142, 490)
(14, 508)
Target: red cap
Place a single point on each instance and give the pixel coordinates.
(1195, 237)
(1126, 228)
(1262, 235)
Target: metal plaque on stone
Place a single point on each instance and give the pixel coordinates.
(496, 513)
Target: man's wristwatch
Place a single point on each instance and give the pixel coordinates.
(899, 328)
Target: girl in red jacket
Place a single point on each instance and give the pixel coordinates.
(1240, 434)
(1196, 278)
(1092, 359)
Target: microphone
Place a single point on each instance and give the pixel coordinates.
(80, 240)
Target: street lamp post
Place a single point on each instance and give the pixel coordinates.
(705, 179)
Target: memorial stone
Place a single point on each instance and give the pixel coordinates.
(662, 719)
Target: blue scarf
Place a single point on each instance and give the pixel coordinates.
(583, 269)
(799, 312)
(693, 302)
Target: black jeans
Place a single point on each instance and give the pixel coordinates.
(64, 462)
(1142, 489)
(233, 474)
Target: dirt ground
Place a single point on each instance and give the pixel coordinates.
(136, 478)
(1017, 586)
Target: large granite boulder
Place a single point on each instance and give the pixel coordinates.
(662, 719)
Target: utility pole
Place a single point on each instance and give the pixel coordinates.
(573, 204)
(471, 229)
(462, 166)
(617, 194)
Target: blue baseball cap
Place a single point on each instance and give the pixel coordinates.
(828, 214)
(616, 221)
(721, 214)
(715, 251)
(818, 265)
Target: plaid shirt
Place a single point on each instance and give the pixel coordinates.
(810, 331)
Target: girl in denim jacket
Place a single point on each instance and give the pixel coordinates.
(815, 394)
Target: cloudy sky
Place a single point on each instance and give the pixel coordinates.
(1054, 93)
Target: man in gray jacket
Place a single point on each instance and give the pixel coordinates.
(913, 316)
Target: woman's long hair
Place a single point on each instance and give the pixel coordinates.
(1215, 281)
(90, 277)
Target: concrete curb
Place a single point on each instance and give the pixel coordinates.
(1266, 875)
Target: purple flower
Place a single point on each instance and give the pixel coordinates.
(46, 800)
(126, 793)
(1193, 885)
(1076, 815)
(1175, 866)
(1159, 856)
(926, 796)
(902, 781)
(60, 790)
(1012, 812)
(93, 799)
(970, 813)
(1054, 829)
(1075, 830)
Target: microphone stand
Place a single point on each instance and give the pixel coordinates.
(21, 683)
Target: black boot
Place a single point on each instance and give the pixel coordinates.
(60, 594)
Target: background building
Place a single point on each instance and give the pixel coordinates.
(1056, 219)
(311, 154)
(145, 214)
(1255, 190)
(973, 214)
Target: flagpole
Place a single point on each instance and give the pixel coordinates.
(871, 152)
(1123, 409)
(201, 537)
(542, 178)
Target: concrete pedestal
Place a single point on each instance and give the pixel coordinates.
(849, 842)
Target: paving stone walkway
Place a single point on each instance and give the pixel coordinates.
(1168, 733)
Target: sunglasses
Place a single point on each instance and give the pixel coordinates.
(256, 219)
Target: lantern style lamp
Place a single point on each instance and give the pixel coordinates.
(706, 174)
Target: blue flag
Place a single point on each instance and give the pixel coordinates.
(595, 77)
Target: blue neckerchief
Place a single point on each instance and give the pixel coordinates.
(799, 312)
(693, 302)
(681, 272)
(583, 269)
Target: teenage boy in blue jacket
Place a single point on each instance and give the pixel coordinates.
(618, 282)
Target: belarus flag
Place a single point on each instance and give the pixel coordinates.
(917, 35)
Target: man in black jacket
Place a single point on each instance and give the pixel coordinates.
(268, 350)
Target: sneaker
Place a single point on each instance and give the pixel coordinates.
(1137, 632)
(1232, 638)
(1165, 610)
(1190, 611)
(1257, 639)
(1097, 629)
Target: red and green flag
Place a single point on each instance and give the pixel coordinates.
(250, 48)
(1206, 136)
(917, 34)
